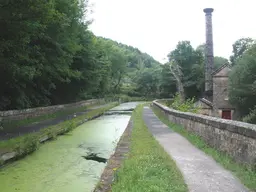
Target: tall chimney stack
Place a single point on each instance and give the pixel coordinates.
(208, 52)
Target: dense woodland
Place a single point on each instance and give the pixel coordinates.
(48, 56)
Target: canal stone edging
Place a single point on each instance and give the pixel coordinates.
(9, 156)
(109, 174)
(38, 111)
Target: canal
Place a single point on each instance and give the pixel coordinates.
(60, 165)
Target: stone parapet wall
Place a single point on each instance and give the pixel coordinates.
(35, 112)
(238, 139)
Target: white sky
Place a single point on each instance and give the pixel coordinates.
(155, 27)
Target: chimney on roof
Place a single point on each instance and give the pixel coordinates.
(208, 52)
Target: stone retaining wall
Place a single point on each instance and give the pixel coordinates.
(238, 139)
(9, 156)
(34, 112)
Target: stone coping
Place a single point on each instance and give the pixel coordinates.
(8, 156)
(109, 174)
(32, 110)
(246, 129)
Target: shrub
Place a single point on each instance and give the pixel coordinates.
(27, 145)
(186, 106)
(51, 133)
(71, 125)
(251, 117)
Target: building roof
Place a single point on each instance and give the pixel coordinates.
(221, 68)
(207, 102)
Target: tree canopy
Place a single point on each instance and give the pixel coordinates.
(48, 56)
(242, 88)
(191, 63)
(240, 47)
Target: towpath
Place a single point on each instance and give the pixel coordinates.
(37, 126)
(201, 172)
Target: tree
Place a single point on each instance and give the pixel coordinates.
(189, 61)
(176, 71)
(240, 47)
(48, 56)
(118, 67)
(38, 42)
(20, 58)
(219, 61)
(147, 83)
(167, 82)
(242, 87)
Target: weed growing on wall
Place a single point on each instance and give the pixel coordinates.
(71, 125)
(1, 162)
(251, 117)
(27, 145)
(52, 134)
(115, 142)
(186, 106)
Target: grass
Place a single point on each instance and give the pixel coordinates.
(28, 143)
(147, 167)
(246, 173)
(14, 124)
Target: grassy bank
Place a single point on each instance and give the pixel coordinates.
(26, 144)
(246, 174)
(148, 167)
(14, 124)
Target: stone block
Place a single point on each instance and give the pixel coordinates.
(237, 139)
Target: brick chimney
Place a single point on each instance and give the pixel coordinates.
(208, 53)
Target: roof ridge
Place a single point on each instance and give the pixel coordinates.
(207, 102)
(220, 68)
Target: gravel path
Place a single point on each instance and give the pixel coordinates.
(201, 172)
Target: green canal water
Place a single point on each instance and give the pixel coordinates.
(58, 166)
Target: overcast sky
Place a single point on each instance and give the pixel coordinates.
(156, 26)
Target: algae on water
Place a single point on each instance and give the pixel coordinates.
(59, 166)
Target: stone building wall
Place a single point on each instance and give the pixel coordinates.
(204, 109)
(220, 93)
(220, 87)
(235, 138)
(35, 112)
